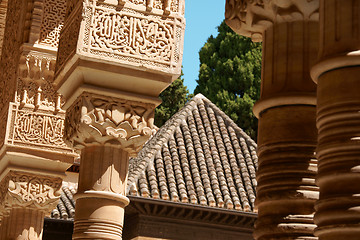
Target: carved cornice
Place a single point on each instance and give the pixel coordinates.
(97, 119)
(252, 17)
(181, 211)
(26, 190)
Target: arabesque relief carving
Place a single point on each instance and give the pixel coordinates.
(41, 129)
(149, 38)
(29, 190)
(129, 36)
(99, 119)
(251, 17)
(36, 118)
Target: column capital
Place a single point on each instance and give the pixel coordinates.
(27, 190)
(98, 119)
(251, 18)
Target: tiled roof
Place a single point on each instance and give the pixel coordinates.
(66, 206)
(200, 156)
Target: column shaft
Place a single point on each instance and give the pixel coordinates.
(25, 224)
(338, 210)
(286, 191)
(338, 121)
(101, 196)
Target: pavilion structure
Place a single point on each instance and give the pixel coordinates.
(91, 71)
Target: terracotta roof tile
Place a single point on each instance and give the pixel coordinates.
(200, 157)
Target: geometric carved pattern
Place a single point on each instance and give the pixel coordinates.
(52, 22)
(99, 119)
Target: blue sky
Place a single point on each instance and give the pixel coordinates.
(202, 18)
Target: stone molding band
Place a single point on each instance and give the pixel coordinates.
(103, 194)
(284, 100)
(350, 59)
(104, 229)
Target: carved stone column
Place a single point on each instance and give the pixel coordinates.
(25, 200)
(286, 191)
(33, 155)
(115, 57)
(108, 130)
(338, 121)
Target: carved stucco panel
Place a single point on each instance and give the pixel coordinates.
(20, 189)
(120, 34)
(127, 36)
(41, 129)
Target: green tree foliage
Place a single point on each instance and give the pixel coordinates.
(230, 74)
(173, 98)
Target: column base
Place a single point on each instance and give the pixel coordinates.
(99, 218)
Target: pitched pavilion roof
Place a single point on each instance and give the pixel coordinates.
(198, 157)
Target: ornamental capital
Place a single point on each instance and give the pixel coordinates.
(98, 119)
(251, 18)
(27, 190)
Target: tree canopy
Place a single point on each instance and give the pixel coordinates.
(230, 74)
(173, 98)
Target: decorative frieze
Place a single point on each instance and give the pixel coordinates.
(100, 119)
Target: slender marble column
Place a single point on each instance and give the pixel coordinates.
(114, 59)
(107, 130)
(338, 121)
(286, 191)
